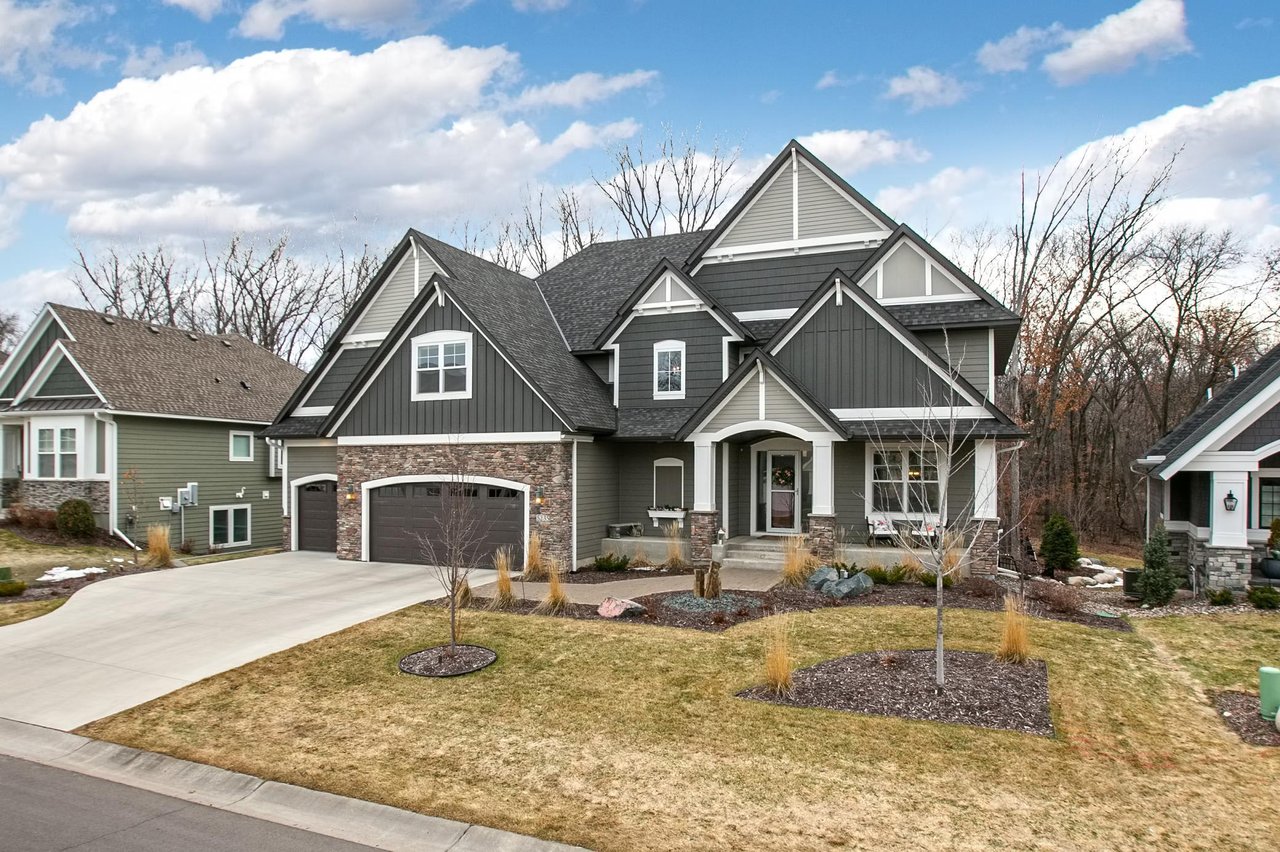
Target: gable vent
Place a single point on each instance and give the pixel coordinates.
(153, 329)
(108, 320)
(226, 343)
(245, 385)
(191, 336)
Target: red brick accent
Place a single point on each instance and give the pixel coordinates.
(702, 534)
(548, 466)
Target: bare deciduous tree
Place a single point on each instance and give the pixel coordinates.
(10, 330)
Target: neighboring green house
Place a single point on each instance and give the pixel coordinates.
(150, 424)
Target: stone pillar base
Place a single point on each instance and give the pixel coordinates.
(822, 537)
(984, 557)
(702, 534)
(286, 539)
(1228, 567)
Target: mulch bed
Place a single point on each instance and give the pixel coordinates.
(1240, 711)
(980, 690)
(439, 662)
(37, 535)
(590, 575)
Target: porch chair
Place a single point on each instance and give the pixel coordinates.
(880, 529)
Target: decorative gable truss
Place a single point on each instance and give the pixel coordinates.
(30, 353)
(667, 291)
(58, 376)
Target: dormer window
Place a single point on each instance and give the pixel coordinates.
(668, 369)
(441, 366)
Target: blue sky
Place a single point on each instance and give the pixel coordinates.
(350, 120)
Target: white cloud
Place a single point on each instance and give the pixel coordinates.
(409, 133)
(771, 96)
(1151, 29)
(945, 195)
(582, 89)
(831, 80)
(1252, 23)
(924, 87)
(153, 61)
(266, 19)
(539, 5)
(849, 151)
(33, 44)
(202, 9)
(1014, 51)
(26, 293)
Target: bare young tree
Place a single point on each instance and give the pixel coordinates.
(149, 284)
(578, 228)
(10, 330)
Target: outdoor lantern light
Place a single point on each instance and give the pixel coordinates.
(351, 493)
(538, 495)
(1230, 501)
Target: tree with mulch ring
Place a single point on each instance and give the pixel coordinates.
(981, 690)
(448, 661)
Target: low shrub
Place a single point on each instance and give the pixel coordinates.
(35, 519)
(981, 587)
(844, 569)
(12, 588)
(1221, 597)
(877, 575)
(930, 579)
(1015, 646)
(777, 659)
(187, 546)
(675, 547)
(1264, 597)
(75, 519)
(612, 562)
(1056, 597)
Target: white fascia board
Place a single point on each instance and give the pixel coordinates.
(968, 296)
(186, 417)
(311, 411)
(772, 314)
(309, 442)
(656, 310)
(846, 196)
(750, 204)
(453, 438)
(934, 413)
(1240, 420)
(57, 352)
(766, 251)
(33, 333)
(408, 255)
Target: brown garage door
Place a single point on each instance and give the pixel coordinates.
(317, 513)
(400, 514)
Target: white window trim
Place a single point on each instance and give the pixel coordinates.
(32, 431)
(439, 338)
(944, 481)
(231, 446)
(667, 462)
(230, 509)
(670, 346)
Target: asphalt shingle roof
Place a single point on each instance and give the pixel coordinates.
(158, 369)
(586, 290)
(295, 427)
(966, 428)
(652, 422)
(925, 314)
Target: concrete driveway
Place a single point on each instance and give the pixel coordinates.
(122, 642)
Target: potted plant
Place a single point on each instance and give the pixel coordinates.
(659, 514)
(1270, 565)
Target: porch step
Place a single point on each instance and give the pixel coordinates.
(766, 545)
(762, 561)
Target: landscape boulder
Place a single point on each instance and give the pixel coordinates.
(1081, 581)
(1106, 578)
(820, 577)
(618, 607)
(858, 584)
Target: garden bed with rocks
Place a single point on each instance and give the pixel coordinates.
(1240, 711)
(980, 690)
(1183, 603)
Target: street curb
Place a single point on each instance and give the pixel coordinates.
(354, 820)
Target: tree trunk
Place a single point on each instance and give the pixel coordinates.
(940, 668)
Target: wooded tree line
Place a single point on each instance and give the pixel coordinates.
(1127, 324)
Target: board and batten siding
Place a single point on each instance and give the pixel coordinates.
(847, 359)
(703, 339)
(967, 350)
(32, 360)
(825, 212)
(597, 495)
(396, 294)
(64, 380)
(339, 376)
(775, 283)
(635, 482)
(167, 454)
(500, 400)
(311, 461)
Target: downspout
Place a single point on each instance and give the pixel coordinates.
(113, 484)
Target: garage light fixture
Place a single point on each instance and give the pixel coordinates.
(538, 495)
(351, 493)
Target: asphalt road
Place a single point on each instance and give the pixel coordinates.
(43, 809)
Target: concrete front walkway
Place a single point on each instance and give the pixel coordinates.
(122, 642)
(751, 579)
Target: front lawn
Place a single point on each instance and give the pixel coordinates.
(1220, 651)
(621, 736)
(30, 559)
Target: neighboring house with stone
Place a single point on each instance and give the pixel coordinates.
(768, 377)
(1215, 479)
(129, 416)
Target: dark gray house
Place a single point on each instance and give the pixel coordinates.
(1215, 479)
(765, 378)
(148, 423)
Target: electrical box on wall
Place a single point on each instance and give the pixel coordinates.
(189, 496)
(166, 504)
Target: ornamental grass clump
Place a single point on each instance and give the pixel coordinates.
(159, 548)
(503, 597)
(777, 658)
(1015, 645)
(640, 559)
(462, 594)
(797, 562)
(556, 601)
(535, 568)
(675, 547)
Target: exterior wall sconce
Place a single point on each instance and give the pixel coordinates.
(1230, 501)
(539, 496)
(351, 494)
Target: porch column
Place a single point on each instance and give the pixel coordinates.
(822, 518)
(1229, 528)
(704, 518)
(985, 479)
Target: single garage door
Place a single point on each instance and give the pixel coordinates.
(317, 514)
(400, 514)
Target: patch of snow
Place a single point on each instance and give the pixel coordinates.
(117, 560)
(64, 572)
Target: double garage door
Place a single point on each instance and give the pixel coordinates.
(403, 517)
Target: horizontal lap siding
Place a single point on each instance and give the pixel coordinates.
(968, 351)
(775, 283)
(780, 404)
(310, 461)
(597, 494)
(848, 360)
(703, 338)
(28, 366)
(501, 401)
(743, 405)
(395, 296)
(769, 218)
(167, 454)
(960, 485)
(65, 380)
(635, 481)
(824, 212)
(343, 372)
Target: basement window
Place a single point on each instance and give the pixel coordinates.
(229, 526)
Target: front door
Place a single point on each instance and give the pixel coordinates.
(784, 486)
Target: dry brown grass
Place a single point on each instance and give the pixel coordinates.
(640, 559)
(952, 561)
(797, 562)
(675, 547)
(462, 595)
(777, 657)
(1015, 644)
(535, 566)
(588, 727)
(159, 548)
(556, 601)
(912, 567)
(15, 612)
(503, 596)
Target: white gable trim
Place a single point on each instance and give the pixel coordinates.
(682, 306)
(922, 352)
(762, 251)
(409, 255)
(759, 375)
(1236, 423)
(57, 353)
(846, 196)
(876, 276)
(752, 203)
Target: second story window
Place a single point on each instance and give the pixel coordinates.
(668, 369)
(442, 366)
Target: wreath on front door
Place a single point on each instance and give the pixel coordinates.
(784, 477)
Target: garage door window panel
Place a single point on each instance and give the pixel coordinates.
(442, 366)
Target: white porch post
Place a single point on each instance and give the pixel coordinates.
(824, 478)
(704, 475)
(1229, 528)
(985, 479)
